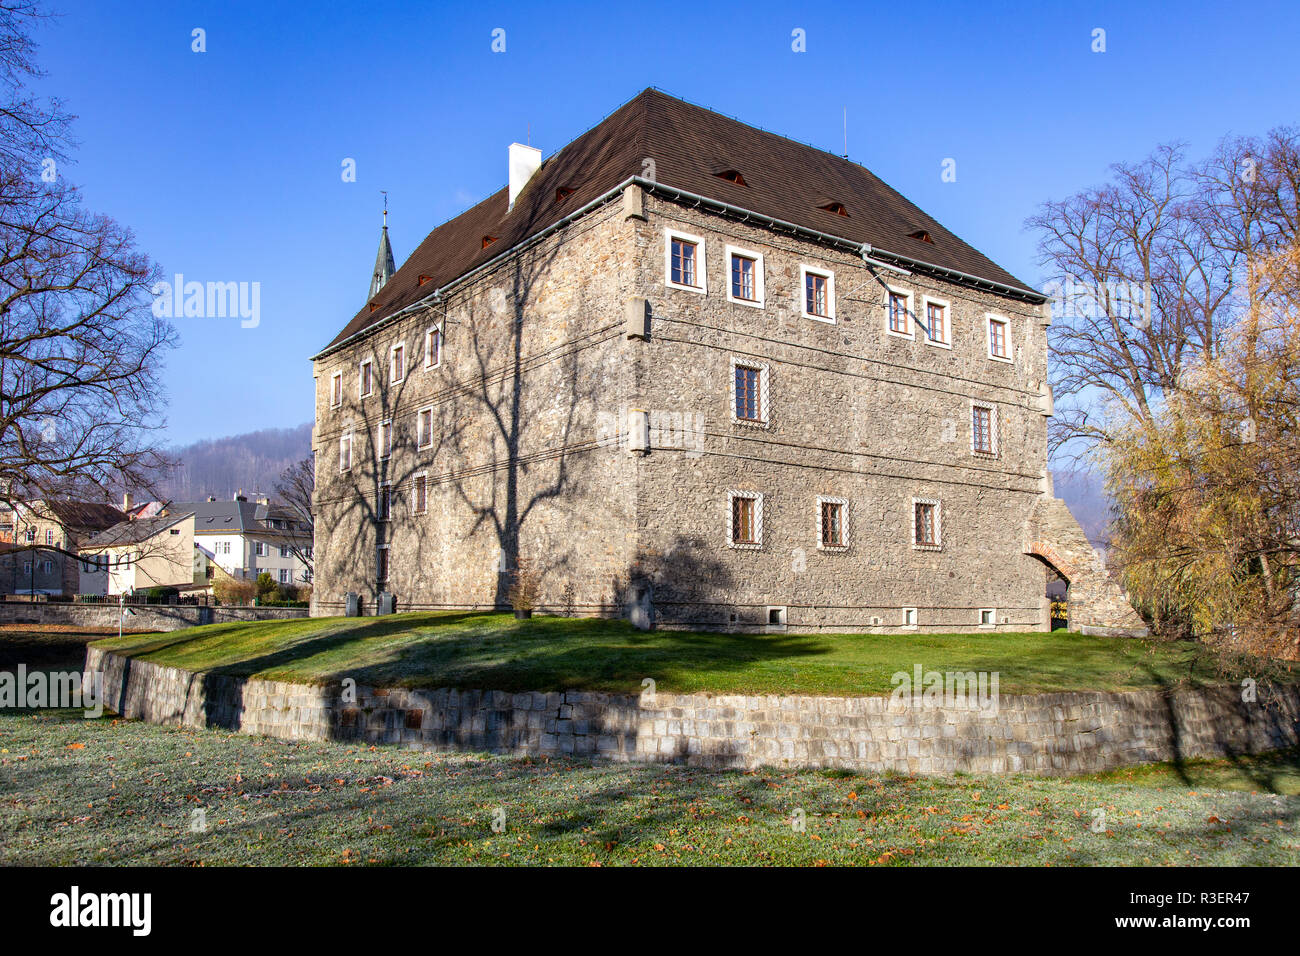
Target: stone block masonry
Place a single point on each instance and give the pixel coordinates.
(1048, 733)
(146, 617)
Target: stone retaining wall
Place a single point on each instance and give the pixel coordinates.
(147, 617)
(1047, 733)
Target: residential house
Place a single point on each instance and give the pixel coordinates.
(49, 536)
(147, 553)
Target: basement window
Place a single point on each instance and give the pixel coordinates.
(988, 617)
(488, 240)
(732, 176)
(838, 208)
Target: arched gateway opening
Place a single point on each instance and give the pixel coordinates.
(1056, 588)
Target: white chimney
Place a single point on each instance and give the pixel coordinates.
(126, 501)
(524, 161)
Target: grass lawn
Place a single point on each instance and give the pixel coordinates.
(107, 791)
(482, 650)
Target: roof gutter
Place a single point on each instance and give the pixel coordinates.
(864, 249)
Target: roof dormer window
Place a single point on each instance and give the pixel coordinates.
(922, 235)
(488, 240)
(423, 279)
(838, 208)
(563, 193)
(732, 176)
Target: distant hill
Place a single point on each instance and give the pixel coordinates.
(222, 466)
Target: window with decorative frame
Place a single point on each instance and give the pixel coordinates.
(898, 312)
(749, 392)
(983, 430)
(397, 363)
(345, 452)
(744, 519)
(366, 378)
(817, 293)
(999, 339)
(937, 323)
(424, 427)
(745, 277)
(336, 390)
(420, 493)
(684, 261)
(433, 347)
(927, 528)
(832, 523)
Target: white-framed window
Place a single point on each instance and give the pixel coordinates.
(817, 293)
(259, 548)
(744, 519)
(983, 430)
(832, 523)
(336, 390)
(345, 452)
(49, 536)
(898, 312)
(366, 378)
(999, 337)
(381, 564)
(386, 438)
(284, 575)
(424, 427)
(684, 261)
(744, 277)
(909, 617)
(433, 347)
(936, 322)
(749, 392)
(927, 524)
(384, 501)
(419, 493)
(988, 617)
(397, 363)
(284, 551)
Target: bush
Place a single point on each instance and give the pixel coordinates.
(266, 586)
(234, 592)
(161, 595)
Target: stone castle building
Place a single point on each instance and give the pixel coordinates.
(699, 375)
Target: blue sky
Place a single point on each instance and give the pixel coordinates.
(227, 163)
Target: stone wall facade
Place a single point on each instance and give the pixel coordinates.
(582, 419)
(1049, 733)
(147, 617)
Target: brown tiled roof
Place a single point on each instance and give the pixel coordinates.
(690, 147)
(82, 516)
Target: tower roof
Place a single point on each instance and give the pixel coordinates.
(384, 264)
(697, 151)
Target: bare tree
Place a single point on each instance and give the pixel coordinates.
(1146, 268)
(296, 488)
(80, 348)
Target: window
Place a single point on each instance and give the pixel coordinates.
(745, 519)
(909, 617)
(899, 307)
(397, 363)
(746, 277)
(818, 301)
(366, 383)
(345, 452)
(836, 207)
(420, 494)
(30, 534)
(284, 551)
(259, 549)
(433, 347)
(336, 390)
(937, 327)
(983, 430)
(385, 439)
(988, 617)
(925, 525)
(49, 536)
(732, 176)
(424, 427)
(832, 523)
(384, 503)
(999, 347)
(748, 393)
(381, 564)
(684, 261)
(223, 547)
(284, 575)
(47, 567)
